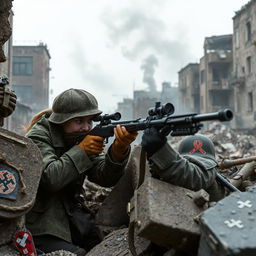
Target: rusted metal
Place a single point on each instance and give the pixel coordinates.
(227, 163)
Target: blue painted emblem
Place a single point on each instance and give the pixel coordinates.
(9, 182)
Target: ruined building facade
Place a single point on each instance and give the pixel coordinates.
(214, 73)
(227, 72)
(189, 88)
(143, 100)
(244, 66)
(31, 67)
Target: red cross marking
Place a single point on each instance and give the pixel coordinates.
(197, 146)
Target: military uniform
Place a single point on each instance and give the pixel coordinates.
(64, 172)
(59, 218)
(192, 167)
(191, 172)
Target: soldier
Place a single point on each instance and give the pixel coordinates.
(192, 167)
(58, 220)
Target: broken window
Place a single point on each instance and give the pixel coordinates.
(215, 75)
(249, 64)
(221, 98)
(220, 72)
(22, 66)
(250, 102)
(248, 31)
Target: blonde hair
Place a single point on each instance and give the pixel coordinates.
(35, 119)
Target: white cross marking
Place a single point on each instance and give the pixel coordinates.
(234, 223)
(22, 242)
(25, 251)
(246, 203)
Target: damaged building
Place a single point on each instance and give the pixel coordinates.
(31, 67)
(244, 66)
(214, 72)
(205, 87)
(189, 88)
(227, 73)
(143, 100)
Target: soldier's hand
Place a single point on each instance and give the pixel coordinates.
(152, 140)
(122, 141)
(92, 145)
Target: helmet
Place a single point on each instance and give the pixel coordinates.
(73, 103)
(197, 146)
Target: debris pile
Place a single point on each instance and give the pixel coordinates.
(94, 195)
(231, 143)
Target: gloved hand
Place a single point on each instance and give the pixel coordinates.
(152, 140)
(92, 145)
(122, 141)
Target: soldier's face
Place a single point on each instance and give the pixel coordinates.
(78, 124)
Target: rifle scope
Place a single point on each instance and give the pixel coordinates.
(101, 118)
(162, 110)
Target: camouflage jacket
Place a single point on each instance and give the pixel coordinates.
(193, 173)
(64, 170)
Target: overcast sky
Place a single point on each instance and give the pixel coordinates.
(107, 46)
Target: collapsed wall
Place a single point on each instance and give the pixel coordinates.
(5, 28)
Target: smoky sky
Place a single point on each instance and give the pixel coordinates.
(149, 35)
(148, 66)
(91, 72)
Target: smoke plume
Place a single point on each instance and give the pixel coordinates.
(148, 67)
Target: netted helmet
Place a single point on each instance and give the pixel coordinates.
(73, 103)
(197, 146)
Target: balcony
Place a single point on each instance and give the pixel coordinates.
(219, 57)
(237, 81)
(223, 84)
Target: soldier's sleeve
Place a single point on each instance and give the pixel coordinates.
(177, 170)
(106, 171)
(59, 171)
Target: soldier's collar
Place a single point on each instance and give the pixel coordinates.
(56, 135)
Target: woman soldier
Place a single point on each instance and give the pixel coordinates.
(55, 220)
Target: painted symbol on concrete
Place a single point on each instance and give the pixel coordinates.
(234, 223)
(7, 182)
(246, 203)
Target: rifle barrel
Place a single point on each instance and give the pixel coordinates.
(226, 183)
(222, 115)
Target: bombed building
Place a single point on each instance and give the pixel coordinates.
(31, 69)
(244, 65)
(189, 88)
(227, 73)
(214, 70)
